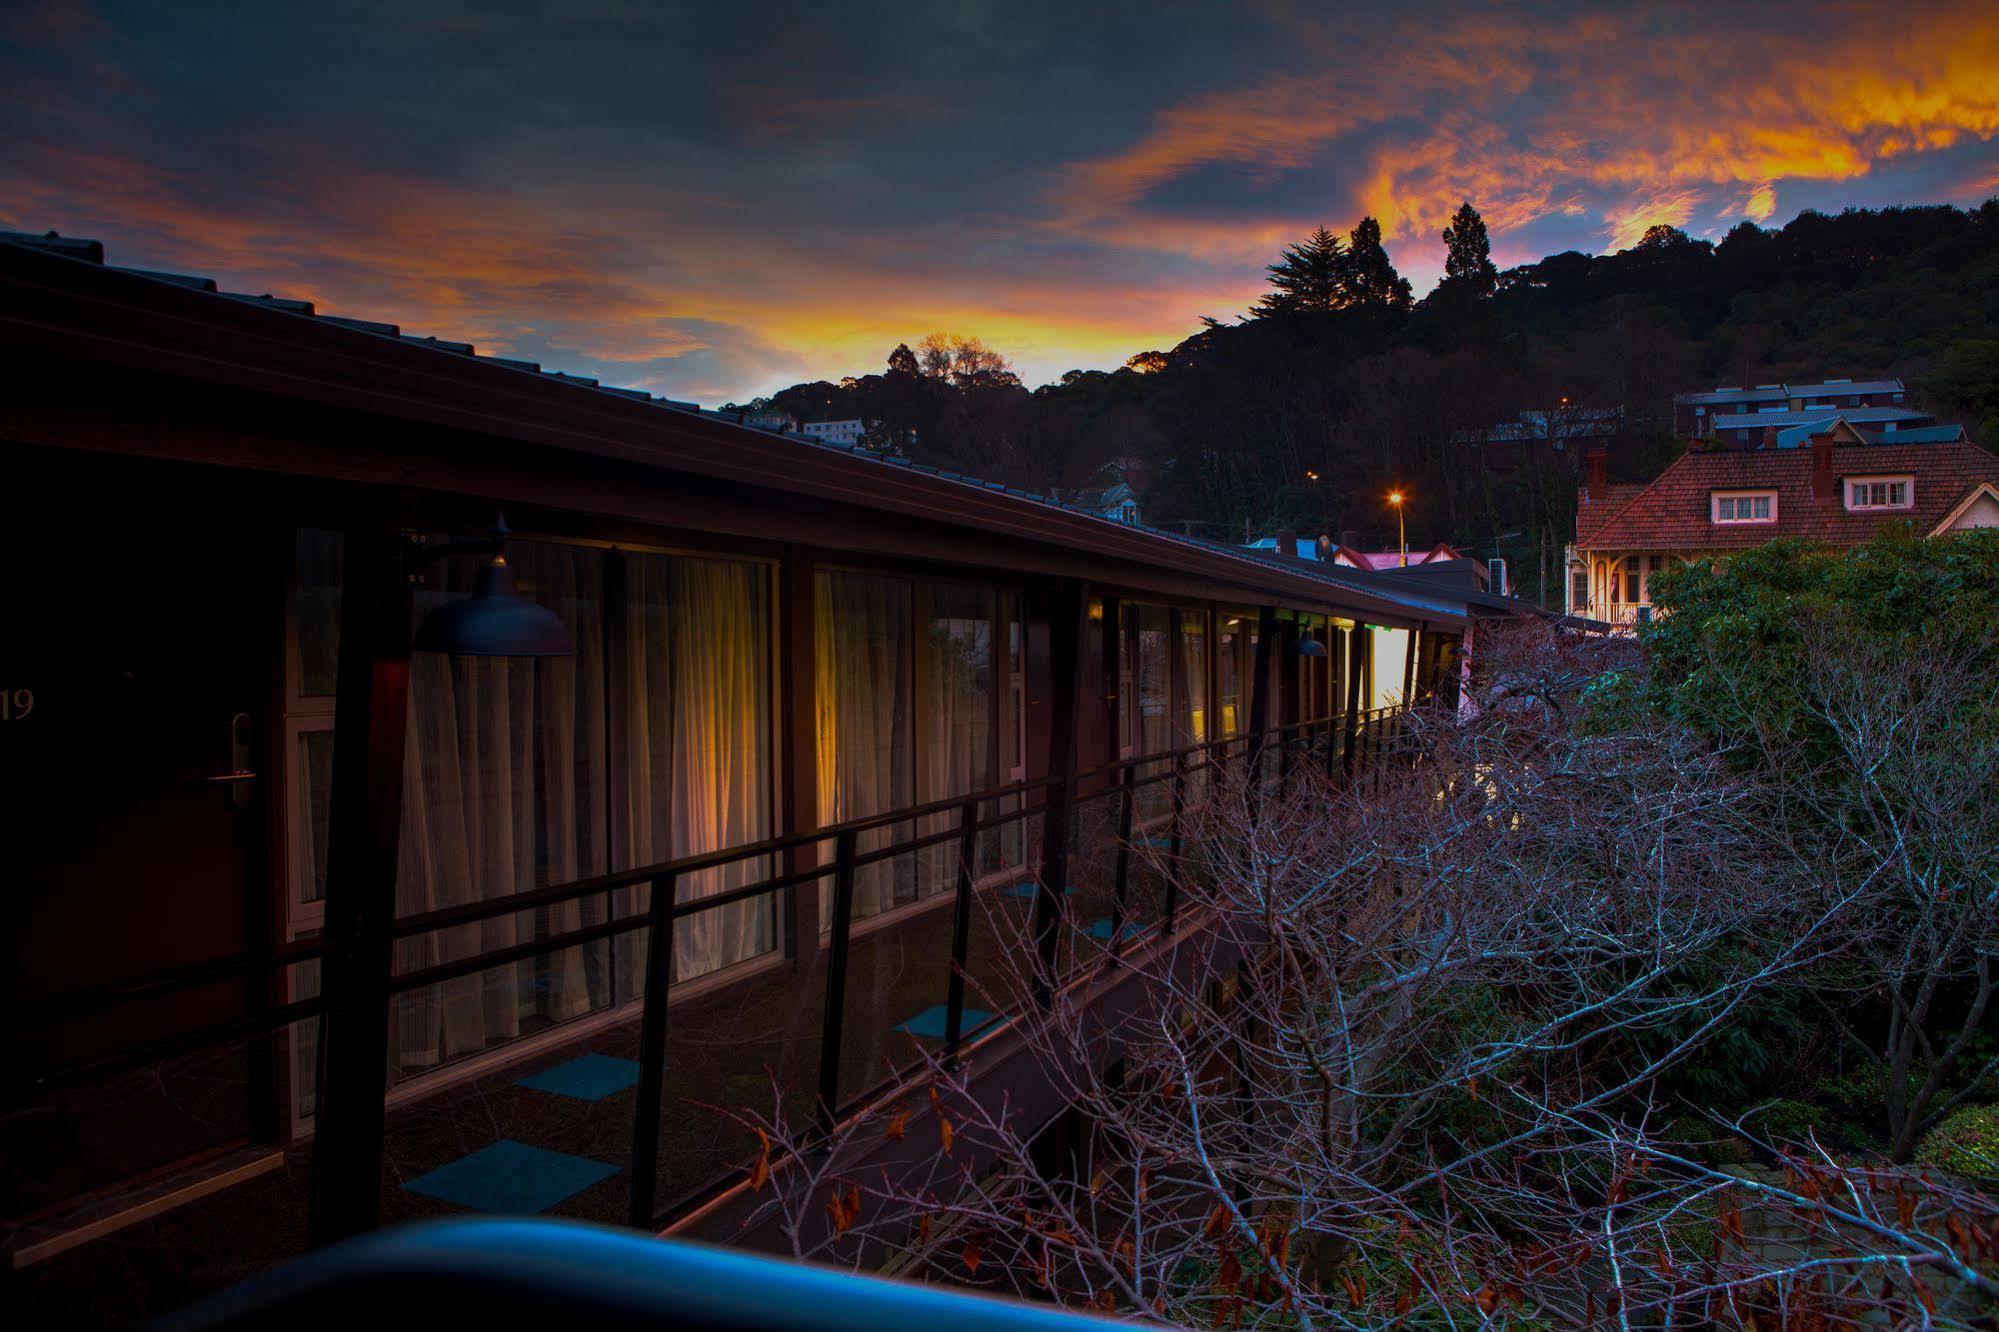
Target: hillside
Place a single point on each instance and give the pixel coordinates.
(1224, 432)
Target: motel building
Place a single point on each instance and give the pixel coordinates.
(433, 783)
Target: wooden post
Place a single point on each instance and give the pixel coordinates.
(1259, 702)
(1356, 669)
(364, 827)
(1065, 657)
(836, 979)
(798, 724)
(961, 929)
(652, 1055)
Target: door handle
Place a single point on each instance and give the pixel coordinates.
(240, 774)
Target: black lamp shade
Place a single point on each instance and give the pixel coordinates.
(1311, 647)
(495, 621)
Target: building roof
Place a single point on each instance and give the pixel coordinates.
(58, 298)
(1807, 415)
(1776, 392)
(1936, 434)
(1594, 510)
(1672, 513)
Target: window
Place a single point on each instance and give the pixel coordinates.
(1751, 506)
(1880, 492)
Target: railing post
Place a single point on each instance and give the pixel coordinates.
(1127, 797)
(652, 1054)
(364, 828)
(845, 846)
(1173, 846)
(961, 929)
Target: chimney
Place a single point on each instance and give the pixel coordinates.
(1287, 543)
(1769, 437)
(1825, 488)
(1597, 459)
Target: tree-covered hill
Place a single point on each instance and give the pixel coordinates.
(1336, 387)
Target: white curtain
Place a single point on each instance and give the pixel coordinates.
(866, 763)
(960, 706)
(696, 723)
(503, 792)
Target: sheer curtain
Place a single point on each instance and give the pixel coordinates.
(866, 761)
(1152, 680)
(960, 706)
(696, 722)
(504, 792)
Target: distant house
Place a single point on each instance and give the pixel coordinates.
(1836, 486)
(1116, 502)
(1564, 428)
(1727, 413)
(844, 433)
(1324, 548)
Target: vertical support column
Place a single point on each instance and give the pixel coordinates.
(1259, 702)
(798, 722)
(961, 929)
(363, 829)
(1127, 798)
(1356, 671)
(652, 1054)
(836, 979)
(1065, 654)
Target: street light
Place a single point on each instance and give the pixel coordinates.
(1401, 534)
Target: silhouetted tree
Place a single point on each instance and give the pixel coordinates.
(1468, 253)
(902, 361)
(1371, 279)
(1310, 278)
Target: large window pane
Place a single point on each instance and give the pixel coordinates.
(866, 757)
(504, 791)
(696, 726)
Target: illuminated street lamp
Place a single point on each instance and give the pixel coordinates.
(1401, 534)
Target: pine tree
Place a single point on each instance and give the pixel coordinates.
(902, 361)
(1468, 253)
(1371, 276)
(1309, 278)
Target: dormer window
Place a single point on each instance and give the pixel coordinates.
(1867, 493)
(1744, 506)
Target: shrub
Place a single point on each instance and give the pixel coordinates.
(1966, 1143)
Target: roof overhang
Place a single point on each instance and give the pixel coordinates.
(55, 306)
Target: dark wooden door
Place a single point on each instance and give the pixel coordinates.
(142, 620)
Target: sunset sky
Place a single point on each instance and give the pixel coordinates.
(716, 200)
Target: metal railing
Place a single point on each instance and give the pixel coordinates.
(1339, 743)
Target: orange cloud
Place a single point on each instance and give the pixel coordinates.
(1518, 114)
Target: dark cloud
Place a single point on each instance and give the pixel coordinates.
(716, 199)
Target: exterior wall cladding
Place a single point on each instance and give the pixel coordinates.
(311, 932)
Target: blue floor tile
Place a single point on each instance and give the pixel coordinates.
(929, 1024)
(589, 1077)
(1101, 929)
(511, 1177)
(1156, 843)
(1031, 891)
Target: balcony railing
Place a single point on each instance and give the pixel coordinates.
(1338, 745)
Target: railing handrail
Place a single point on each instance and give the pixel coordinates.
(42, 1013)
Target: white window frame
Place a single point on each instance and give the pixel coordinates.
(1904, 479)
(1714, 507)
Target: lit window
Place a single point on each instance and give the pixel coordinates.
(1748, 507)
(1879, 492)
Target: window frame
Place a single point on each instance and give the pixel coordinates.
(1904, 479)
(1715, 498)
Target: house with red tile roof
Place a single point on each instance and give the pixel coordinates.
(1836, 488)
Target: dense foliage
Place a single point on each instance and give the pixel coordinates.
(1224, 432)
